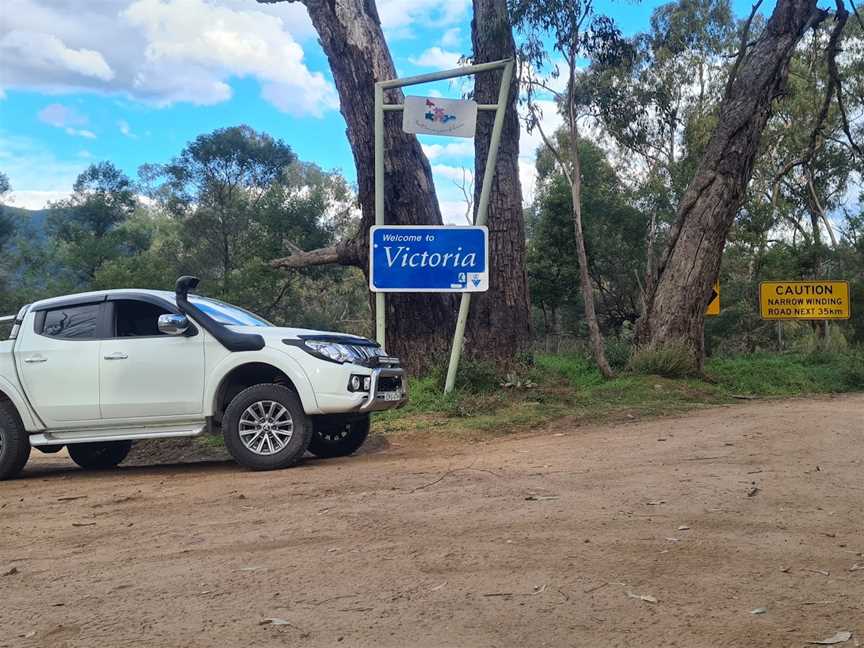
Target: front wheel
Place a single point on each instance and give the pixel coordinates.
(14, 443)
(338, 438)
(99, 456)
(265, 427)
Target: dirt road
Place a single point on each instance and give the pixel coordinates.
(542, 540)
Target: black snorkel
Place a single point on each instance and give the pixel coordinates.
(231, 340)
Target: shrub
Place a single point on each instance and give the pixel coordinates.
(670, 361)
(578, 370)
(618, 353)
(473, 377)
(852, 373)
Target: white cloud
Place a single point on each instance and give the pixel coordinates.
(551, 121)
(452, 37)
(126, 129)
(225, 42)
(34, 171)
(453, 212)
(162, 51)
(454, 149)
(35, 199)
(59, 116)
(46, 51)
(449, 181)
(453, 173)
(528, 180)
(81, 132)
(399, 16)
(435, 57)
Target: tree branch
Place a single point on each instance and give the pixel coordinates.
(342, 253)
(820, 210)
(552, 148)
(541, 84)
(742, 50)
(833, 78)
(857, 15)
(834, 73)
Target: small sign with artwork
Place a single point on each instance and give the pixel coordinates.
(436, 116)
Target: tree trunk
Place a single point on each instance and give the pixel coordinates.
(419, 326)
(675, 311)
(499, 325)
(585, 282)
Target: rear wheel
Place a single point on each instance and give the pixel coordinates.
(14, 443)
(99, 456)
(338, 438)
(265, 427)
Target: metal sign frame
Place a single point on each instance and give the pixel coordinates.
(483, 204)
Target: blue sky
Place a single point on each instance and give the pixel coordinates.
(132, 81)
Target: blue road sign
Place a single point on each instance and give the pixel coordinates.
(408, 258)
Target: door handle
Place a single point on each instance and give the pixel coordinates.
(35, 359)
(116, 356)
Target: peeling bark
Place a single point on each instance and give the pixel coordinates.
(499, 326)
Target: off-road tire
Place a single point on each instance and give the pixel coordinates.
(294, 448)
(99, 456)
(338, 438)
(14, 442)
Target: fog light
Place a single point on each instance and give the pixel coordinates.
(355, 383)
(367, 383)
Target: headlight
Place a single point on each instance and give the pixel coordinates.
(332, 350)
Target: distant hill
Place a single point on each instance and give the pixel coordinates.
(29, 222)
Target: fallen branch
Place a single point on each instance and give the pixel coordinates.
(341, 254)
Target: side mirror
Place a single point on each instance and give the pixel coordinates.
(171, 324)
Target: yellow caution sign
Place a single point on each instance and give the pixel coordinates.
(714, 304)
(804, 300)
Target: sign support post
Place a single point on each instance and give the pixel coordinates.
(480, 219)
(380, 300)
(482, 207)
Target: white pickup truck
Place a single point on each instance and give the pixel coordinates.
(95, 371)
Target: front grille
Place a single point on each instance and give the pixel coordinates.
(389, 383)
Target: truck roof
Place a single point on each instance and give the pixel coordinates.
(99, 295)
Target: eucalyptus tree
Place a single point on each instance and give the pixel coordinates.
(420, 326)
(614, 236)
(238, 198)
(569, 30)
(675, 307)
(88, 227)
(653, 103)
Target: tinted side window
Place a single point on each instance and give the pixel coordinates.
(136, 318)
(72, 322)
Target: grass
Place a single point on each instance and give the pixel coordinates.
(569, 385)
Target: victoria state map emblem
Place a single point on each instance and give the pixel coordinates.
(439, 116)
(436, 114)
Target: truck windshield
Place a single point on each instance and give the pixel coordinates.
(228, 314)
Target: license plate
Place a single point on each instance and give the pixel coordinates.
(391, 396)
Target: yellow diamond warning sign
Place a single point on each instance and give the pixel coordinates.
(804, 300)
(714, 304)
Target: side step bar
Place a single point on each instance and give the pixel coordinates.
(65, 437)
